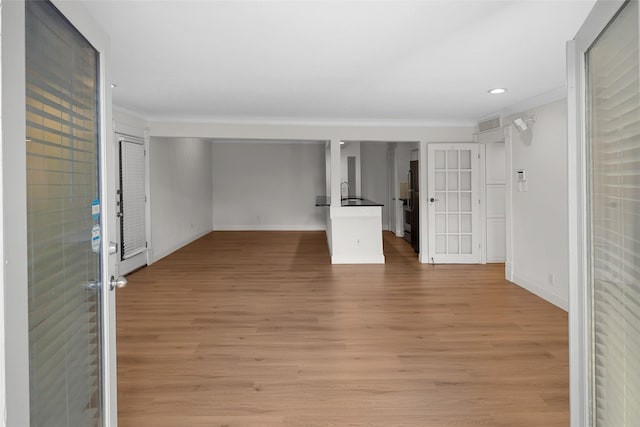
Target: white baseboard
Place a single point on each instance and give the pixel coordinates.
(264, 227)
(349, 259)
(158, 256)
(508, 271)
(543, 293)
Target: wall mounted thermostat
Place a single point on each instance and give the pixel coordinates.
(521, 181)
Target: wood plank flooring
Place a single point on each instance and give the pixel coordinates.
(259, 329)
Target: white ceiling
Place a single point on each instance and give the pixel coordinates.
(419, 62)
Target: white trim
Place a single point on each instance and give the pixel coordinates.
(482, 152)
(126, 111)
(179, 245)
(266, 227)
(14, 214)
(423, 210)
(508, 271)
(579, 342)
(508, 201)
(536, 101)
(127, 130)
(3, 402)
(293, 121)
(147, 190)
(300, 132)
(542, 292)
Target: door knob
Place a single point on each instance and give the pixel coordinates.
(113, 248)
(433, 199)
(120, 282)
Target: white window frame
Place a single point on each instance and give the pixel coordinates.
(579, 340)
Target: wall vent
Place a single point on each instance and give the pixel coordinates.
(489, 124)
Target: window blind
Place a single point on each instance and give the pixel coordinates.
(132, 197)
(62, 182)
(614, 143)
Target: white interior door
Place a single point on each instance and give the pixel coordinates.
(132, 203)
(453, 203)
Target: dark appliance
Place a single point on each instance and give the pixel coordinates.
(411, 211)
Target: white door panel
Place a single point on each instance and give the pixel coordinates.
(496, 241)
(496, 202)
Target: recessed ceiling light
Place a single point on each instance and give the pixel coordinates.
(497, 91)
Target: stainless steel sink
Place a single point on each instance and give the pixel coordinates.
(352, 199)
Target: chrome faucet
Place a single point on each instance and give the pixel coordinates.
(342, 192)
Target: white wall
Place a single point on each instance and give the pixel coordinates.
(374, 175)
(539, 229)
(181, 192)
(268, 185)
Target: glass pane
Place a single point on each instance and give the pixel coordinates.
(441, 245)
(452, 159)
(452, 202)
(441, 224)
(614, 196)
(452, 180)
(440, 181)
(465, 223)
(440, 202)
(452, 223)
(439, 160)
(452, 242)
(62, 182)
(465, 202)
(465, 159)
(465, 244)
(465, 181)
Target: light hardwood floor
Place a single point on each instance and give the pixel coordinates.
(259, 329)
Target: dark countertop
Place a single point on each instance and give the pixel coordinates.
(360, 201)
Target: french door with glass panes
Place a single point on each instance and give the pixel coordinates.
(453, 203)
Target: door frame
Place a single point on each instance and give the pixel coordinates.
(16, 344)
(579, 341)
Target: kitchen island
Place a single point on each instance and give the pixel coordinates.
(354, 230)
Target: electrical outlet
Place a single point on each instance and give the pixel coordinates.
(552, 278)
